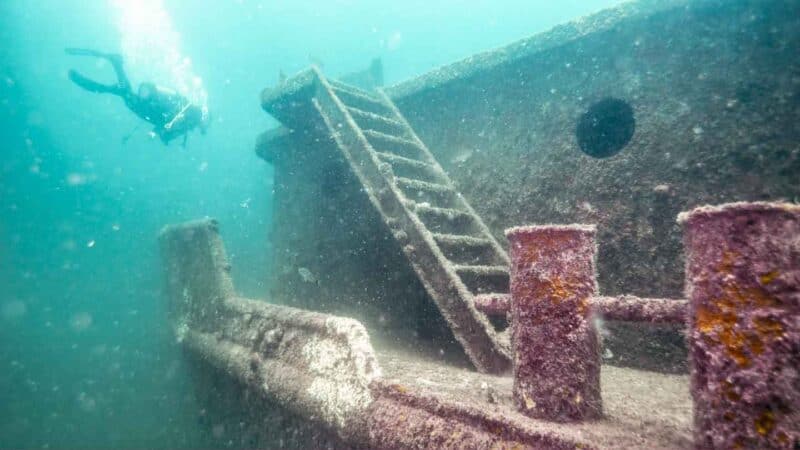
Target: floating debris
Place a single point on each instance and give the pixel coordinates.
(86, 402)
(394, 41)
(80, 321)
(76, 179)
(462, 156)
(307, 276)
(661, 188)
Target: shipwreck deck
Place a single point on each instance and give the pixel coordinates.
(642, 409)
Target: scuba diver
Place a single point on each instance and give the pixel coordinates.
(170, 113)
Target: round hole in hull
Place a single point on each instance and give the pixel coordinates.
(605, 128)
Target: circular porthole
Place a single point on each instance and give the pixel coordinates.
(606, 128)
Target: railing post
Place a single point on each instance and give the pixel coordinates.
(743, 285)
(555, 346)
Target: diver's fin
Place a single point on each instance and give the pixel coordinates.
(91, 85)
(84, 52)
(115, 58)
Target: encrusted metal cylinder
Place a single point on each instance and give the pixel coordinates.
(743, 285)
(556, 349)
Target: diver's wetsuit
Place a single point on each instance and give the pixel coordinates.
(170, 113)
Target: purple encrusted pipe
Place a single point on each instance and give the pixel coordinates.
(634, 309)
(556, 361)
(493, 304)
(743, 285)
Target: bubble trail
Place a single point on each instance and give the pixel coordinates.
(152, 51)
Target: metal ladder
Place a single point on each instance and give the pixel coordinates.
(450, 248)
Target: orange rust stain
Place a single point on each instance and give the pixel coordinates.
(768, 277)
(756, 344)
(756, 297)
(720, 322)
(769, 327)
(766, 329)
(707, 320)
(727, 389)
(723, 323)
(557, 289)
(734, 343)
(727, 262)
(765, 423)
(583, 306)
(400, 388)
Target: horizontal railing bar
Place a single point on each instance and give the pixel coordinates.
(627, 308)
(630, 308)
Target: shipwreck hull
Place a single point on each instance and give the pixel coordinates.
(358, 346)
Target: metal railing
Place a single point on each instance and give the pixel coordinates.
(742, 314)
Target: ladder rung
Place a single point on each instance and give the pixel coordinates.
(397, 159)
(359, 113)
(377, 135)
(483, 279)
(445, 219)
(464, 250)
(359, 99)
(350, 89)
(411, 168)
(460, 239)
(481, 270)
(410, 204)
(383, 142)
(448, 213)
(410, 183)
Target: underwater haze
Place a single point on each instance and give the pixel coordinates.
(87, 359)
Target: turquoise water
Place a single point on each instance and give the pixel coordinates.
(86, 356)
